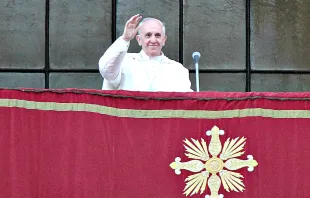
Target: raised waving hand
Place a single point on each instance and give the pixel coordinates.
(131, 27)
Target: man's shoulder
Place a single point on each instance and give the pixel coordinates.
(166, 60)
(173, 63)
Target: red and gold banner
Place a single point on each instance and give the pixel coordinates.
(114, 144)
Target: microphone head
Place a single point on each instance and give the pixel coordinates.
(196, 54)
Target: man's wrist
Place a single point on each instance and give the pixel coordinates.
(122, 43)
(125, 39)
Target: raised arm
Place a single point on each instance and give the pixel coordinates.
(110, 62)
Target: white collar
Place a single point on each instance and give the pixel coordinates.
(146, 57)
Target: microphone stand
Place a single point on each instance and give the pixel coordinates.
(197, 76)
(196, 56)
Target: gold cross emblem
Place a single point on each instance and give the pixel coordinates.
(216, 170)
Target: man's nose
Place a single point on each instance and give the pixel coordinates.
(153, 39)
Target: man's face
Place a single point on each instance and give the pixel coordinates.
(151, 38)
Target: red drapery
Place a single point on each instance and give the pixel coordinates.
(88, 143)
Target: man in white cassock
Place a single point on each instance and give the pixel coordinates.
(149, 70)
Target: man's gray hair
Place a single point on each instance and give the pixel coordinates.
(150, 19)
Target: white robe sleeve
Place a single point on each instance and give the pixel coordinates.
(111, 61)
(185, 83)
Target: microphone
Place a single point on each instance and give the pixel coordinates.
(196, 56)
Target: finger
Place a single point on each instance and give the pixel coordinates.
(137, 20)
(137, 17)
(131, 19)
(134, 17)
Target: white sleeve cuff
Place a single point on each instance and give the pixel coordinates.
(121, 44)
(117, 81)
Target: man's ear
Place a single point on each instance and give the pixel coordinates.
(165, 39)
(138, 39)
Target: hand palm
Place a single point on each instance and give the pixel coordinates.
(131, 27)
